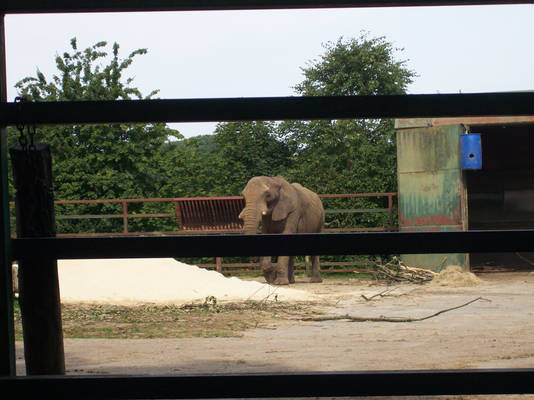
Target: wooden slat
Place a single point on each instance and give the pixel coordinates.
(62, 6)
(269, 108)
(276, 244)
(276, 385)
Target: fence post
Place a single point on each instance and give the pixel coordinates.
(38, 277)
(218, 264)
(178, 214)
(125, 216)
(7, 330)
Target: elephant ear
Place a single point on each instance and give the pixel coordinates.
(287, 201)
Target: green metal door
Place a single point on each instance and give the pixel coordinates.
(432, 195)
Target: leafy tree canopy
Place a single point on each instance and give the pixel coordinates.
(328, 156)
(104, 161)
(249, 149)
(83, 77)
(137, 160)
(95, 162)
(357, 66)
(348, 156)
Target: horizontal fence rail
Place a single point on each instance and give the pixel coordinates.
(276, 385)
(275, 244)
(268, 108)
(211, 214)
(192, 214)
(36, 6)
(327, 267)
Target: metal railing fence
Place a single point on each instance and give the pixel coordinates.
(199, 215)
(207, 217)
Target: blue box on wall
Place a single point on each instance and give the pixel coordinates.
(471, 151)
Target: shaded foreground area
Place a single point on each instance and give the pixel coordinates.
(494, 332)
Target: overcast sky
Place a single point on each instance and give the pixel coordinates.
(260, 53)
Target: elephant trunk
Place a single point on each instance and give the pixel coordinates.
(251, 218)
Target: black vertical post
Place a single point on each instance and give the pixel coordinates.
(38, 277)
(7, 337)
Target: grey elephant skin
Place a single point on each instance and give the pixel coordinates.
(282, 208)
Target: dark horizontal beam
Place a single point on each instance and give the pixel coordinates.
(271, 244)
(61, 6)
(327, 384)
(269, 108)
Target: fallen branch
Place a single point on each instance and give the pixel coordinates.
(397, 271)
(388, 319)
(386, 293)
(381, 294)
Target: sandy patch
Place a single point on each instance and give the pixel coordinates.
(158, 280)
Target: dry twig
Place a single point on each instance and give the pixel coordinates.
(388, 319)
(386, 293)
(381, 294)
(397, 271)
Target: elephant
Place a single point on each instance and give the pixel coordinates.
(282, 208)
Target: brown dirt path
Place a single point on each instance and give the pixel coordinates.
(493, 333)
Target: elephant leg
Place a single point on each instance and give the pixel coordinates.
(268, 269)
(316, 270)
(265, 263)
(291, 270)
(269, 276)
(282, 271)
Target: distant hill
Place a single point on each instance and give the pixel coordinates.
(201, 143)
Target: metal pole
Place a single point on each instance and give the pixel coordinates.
(125, 216)
(178, 215)
(7, 335)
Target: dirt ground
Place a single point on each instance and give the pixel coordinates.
(494, 331)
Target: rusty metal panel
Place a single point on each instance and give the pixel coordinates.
(210, 214)
(431, 188)
(430, 199)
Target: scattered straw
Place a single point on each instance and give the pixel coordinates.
(455, 276)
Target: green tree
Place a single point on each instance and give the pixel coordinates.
(194, 167)
(222, 163)
(248, 149)
(105, 161)
(357, 66)
(348, 156)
